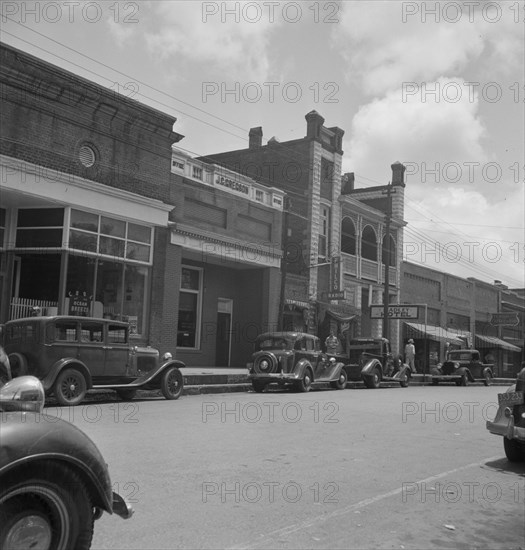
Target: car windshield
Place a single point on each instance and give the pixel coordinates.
(460, 356)
(358, 348)
(274, 342)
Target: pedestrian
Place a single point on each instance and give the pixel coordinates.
(410, 355)
(331, 343)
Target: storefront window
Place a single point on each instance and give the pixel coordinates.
(39, 227)
(109, 288)
(189, 308)
(135, 284)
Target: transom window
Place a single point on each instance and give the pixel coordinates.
(110, 237)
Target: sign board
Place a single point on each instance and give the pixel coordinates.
(395, 312)
(336, 295)
(79, 305)
(504, 319)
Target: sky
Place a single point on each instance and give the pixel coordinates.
(438, 86)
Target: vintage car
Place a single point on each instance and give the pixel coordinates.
(72, 355)
(371, 360)
(293, 359)
(510, 419)
(463, 366)
(54, 483)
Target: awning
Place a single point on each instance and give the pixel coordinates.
(492, 341)
(341, 317)
(297, 303)
(432, 332)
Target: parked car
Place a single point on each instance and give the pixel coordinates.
(463, 366)
(510, 419)
(293, 359)
(54, 483)
(72, 355)
(371, 360)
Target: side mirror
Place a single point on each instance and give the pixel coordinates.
(24, 393)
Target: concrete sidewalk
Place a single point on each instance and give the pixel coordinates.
(198, 380)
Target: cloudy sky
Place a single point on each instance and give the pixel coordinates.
(438, 86)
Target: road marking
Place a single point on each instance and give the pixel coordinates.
(348, 509)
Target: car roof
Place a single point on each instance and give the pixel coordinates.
(285, 334)
(44, 318)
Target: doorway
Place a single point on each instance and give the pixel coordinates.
(223, 337)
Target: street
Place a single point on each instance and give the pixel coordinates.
(386, 468)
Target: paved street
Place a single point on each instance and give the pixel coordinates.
(387, 468)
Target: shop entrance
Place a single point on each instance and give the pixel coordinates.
(223, 337)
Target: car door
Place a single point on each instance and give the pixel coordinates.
(91, 347)
(118, 367)
(476, 366)
(61, 342)
(315, 354)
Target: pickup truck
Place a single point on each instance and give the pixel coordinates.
(371, 360)
(463, 366)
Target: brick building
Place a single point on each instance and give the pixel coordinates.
(96, 213)
(333, 237)
(85, 194)
(460, 312)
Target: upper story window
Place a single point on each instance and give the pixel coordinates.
(324, 231)
(369, 244)
(348, 244)
(391, 250)
(2, 226)
(259, 195)
(197, 172)
(177, 164)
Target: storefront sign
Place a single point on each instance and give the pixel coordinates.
(336, 295)
(504, 319)
(231, 184)
(395, 312)
(335, 283)
(79, 305)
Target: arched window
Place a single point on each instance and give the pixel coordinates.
(392, 258)
(369, 244)
(348, 236)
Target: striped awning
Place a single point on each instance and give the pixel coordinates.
(439, 334)
(492, 341)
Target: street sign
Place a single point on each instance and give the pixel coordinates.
(336, 295)
(395, 312)
(504, 319)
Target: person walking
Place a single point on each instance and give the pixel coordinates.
(410, 355)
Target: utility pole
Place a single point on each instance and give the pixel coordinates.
(386, 249)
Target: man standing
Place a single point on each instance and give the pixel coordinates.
(410, 354)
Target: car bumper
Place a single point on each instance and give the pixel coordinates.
(505, 426)
(446, 377)
(121, 507)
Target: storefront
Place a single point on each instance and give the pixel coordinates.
(92, 256)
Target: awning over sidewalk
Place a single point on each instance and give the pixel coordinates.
(432, 332)
(341, 317)
(482, 341)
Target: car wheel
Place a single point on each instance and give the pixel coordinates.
(172, 383)
(70, 387)
(488, 379)
(306, 382)
(258, 386)
(18, 364)
(50, 509)
(340, 383)
(126, 395)
(404, 380)
(513, 450)
(374, 380)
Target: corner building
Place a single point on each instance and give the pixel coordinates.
(332, 233)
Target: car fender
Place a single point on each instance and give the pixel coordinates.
(488, 370)
(59, 366)
(464, 370)
(335, 372)
(31, 439)
(155, 375)
(301, 366)
(369, 367)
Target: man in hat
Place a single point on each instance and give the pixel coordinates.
(410, 354)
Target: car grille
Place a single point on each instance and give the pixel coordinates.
(448, 368)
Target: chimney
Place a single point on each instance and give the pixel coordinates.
(255, 137)
(398, 174)
(500, 285)
(347, 183)
(314, 123)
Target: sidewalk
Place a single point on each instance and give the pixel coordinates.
(199, 380)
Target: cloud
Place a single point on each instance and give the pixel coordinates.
(223, 42)
(389, 46)
(419, 132)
